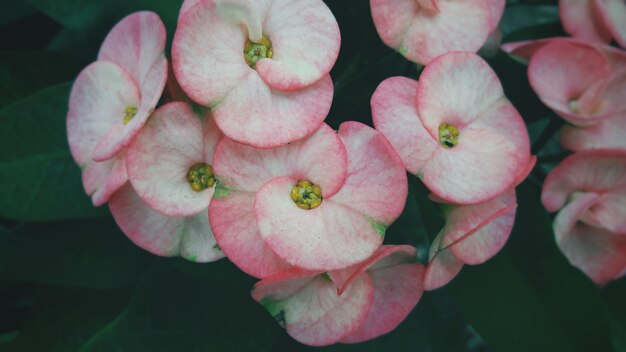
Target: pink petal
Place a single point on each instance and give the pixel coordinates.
(482, 165)
(136, 43)
(600, 254)
(596, 171)
(207, 55)
(101, 180)
(421, 34)
(607, 133)
(253, 113)
(524, 50)
(99, 96)
(329, 237)
(315, 315)
(613, 13)
(163, 235)
(429, 4)
(561, 72)
(475, 233)
(385, 256)
(442, 266)
(162, 154)
(237, 233)
(186, 6)
(376, 185)
(119, 136)
(524, 172)
(395, 116)
(581, 19)
(503, 117)
(397, 289)
(496, 9)
(609, 212)
(456, 88)
(320, 158)
(305, 40)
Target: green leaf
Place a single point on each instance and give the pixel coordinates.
(522, 16)
(25, 72)
(39, 178)
(63, 319)
(613, 295)
(171, 311)
(13, 11)
(78, 14)
(528, 297)
(93, 254)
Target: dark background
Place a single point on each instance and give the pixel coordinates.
(71, 281)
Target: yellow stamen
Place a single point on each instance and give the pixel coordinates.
(201, 177)
(129, 113)
(254, 52)
(306, 195)
(448, 135)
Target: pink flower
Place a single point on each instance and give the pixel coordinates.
(352, 305)
(262, 66)
(112, 98)
(321, 203)
(472, 235)
(169, 167)
(454, 129)
(589, 190)
(577, 81)
(421, 30)
(524, 50)
(594, 20)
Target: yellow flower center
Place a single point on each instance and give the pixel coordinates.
(448, 135)
(306, 195)
(129, 113)
(200, 177)
(254, 52)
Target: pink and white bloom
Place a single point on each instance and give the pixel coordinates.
(472, 235)
(169, 167)
(112, 98)
(454, 129)
(524, 50)
(421, 30)
(577, 81)
(589, 190)
(351, 305)
(262, 66)
(321, 203)
(594, 20)
(608, 133)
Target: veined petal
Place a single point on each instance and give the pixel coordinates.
(329, 237)
(320, 158)
(237, 232)
(162, 155)
(395, 116)
(316, 315)
(163, 235)
(305, 40)
(255, 114)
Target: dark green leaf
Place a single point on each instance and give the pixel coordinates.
(171, 311)
(521, 16)
(39, 178)
(25, 72)
(528, 297)
(615, 303)
(63, 319)
(82, 253)
(78, 14)
(13, 11)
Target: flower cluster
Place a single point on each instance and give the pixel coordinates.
(236, 161)
(583, 80)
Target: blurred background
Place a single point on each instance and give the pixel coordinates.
(71, 281)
